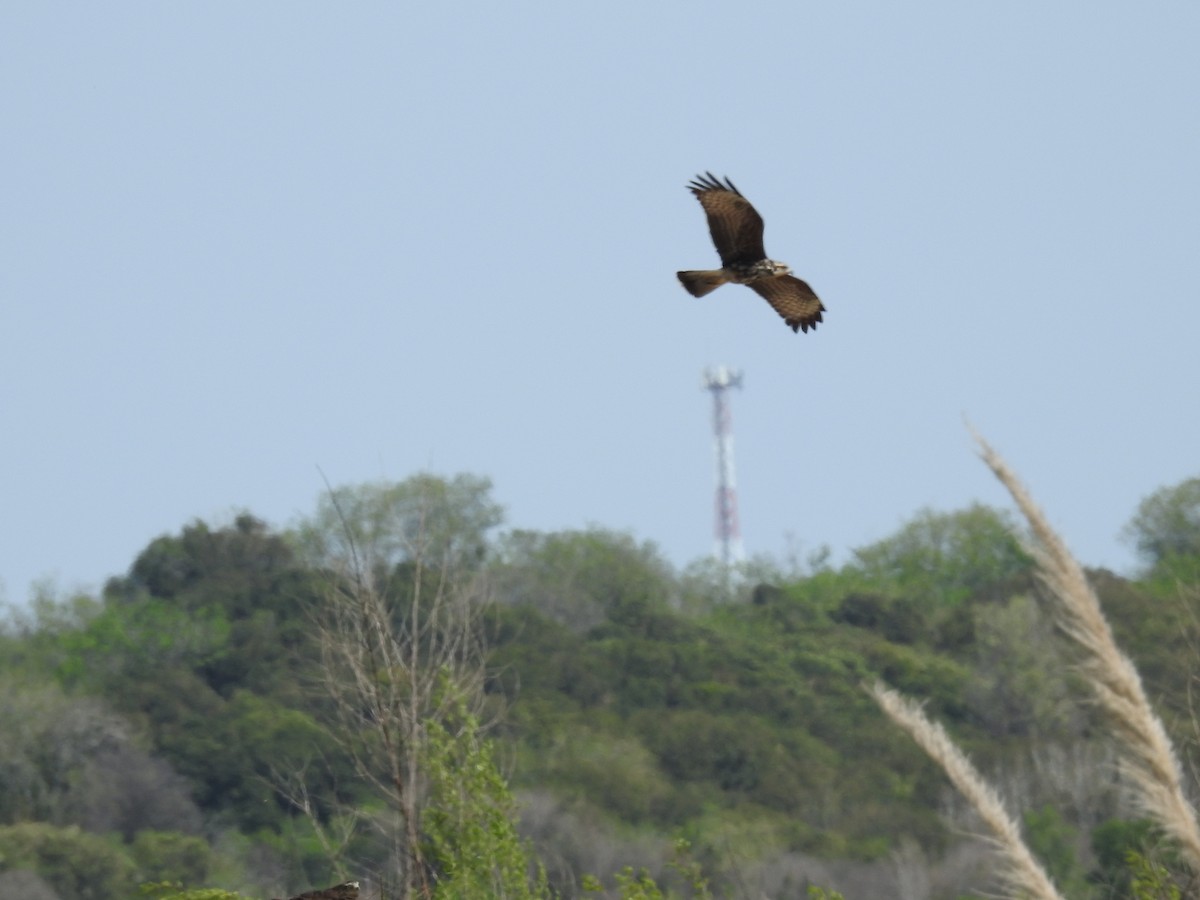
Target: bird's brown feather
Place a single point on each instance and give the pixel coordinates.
(735, 225)
(737, 232)
(792, 298)
(347, 891)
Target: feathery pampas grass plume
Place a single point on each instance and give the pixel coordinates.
(1146, 751)
(1021, 874)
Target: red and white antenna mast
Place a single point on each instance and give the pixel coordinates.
(718, 381)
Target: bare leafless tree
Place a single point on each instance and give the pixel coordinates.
(402, 645)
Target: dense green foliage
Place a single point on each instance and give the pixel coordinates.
(472, 818)
(146, 734)
(1167, 524)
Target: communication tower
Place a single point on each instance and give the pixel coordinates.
(718, 380)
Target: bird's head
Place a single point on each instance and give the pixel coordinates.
(768, 268)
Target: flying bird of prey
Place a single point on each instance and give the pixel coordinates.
(737, 232)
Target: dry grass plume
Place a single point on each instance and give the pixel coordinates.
(1021, 874)
(1145, 749)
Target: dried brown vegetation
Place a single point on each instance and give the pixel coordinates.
(1144, 750)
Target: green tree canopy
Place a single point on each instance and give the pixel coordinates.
(1167, 523)
(582, 578)
(947, 557)
(373, 527)
(77, 865)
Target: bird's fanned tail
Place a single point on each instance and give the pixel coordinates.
(699, 283)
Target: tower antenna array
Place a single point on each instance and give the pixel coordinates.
(718, 380)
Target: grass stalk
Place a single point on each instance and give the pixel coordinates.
(1021, 874)
(1145, 750)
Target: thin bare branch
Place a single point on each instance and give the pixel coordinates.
(334, 835)
(393, 633)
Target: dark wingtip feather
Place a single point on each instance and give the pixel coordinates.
(805, 324)
(710, 182)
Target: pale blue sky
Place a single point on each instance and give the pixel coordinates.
(244, 240)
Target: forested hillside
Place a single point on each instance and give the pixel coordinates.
(213, 717)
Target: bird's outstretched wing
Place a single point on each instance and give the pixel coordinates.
(735, 225)
(791, 298)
